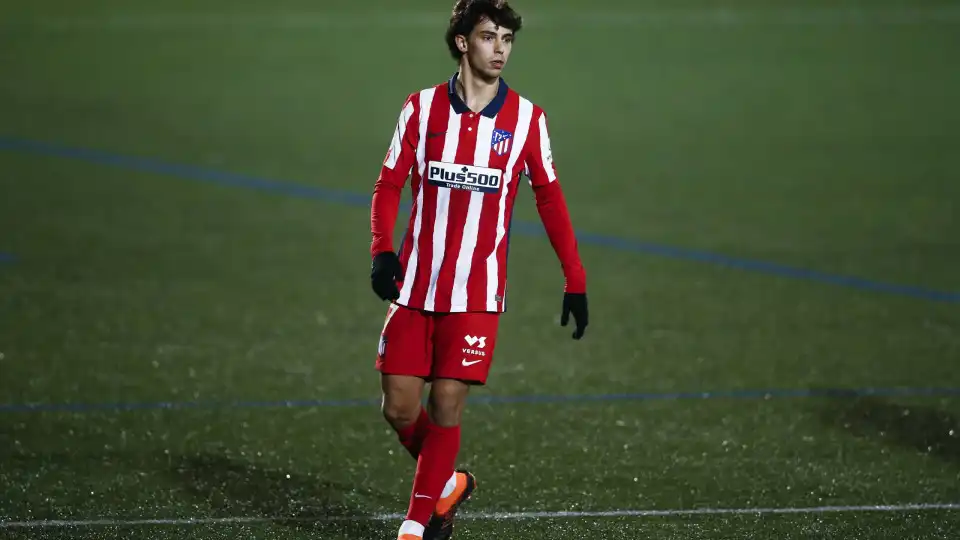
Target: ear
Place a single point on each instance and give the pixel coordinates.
(461, 43)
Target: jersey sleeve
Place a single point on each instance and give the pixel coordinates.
(388, 188)
(538, 164)
(552, 205)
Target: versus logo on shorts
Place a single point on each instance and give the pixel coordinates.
(475, 343)
(469, 177)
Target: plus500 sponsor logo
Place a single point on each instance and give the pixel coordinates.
(469, 177)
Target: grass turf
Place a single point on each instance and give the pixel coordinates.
(816, 135)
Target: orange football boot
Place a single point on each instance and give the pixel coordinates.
(441, 524)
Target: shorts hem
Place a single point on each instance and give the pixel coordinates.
(383, 371)
(472, 381)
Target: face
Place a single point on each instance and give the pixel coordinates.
(487, 48)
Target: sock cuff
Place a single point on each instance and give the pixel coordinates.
(408, 432)
(436, 428)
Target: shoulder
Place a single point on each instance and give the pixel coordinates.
(418, 100)
(426, 94)
(528, 107)
(532, 114)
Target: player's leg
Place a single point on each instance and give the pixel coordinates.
(463, 353)
(403, 360)
(435, 464)
(447, 401)
(402, 409)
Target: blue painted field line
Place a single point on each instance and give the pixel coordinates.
(7, 257)
(183, 171)
(490, 400)
(529, 228)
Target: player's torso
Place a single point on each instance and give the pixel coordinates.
(466, 178)
(469, 154)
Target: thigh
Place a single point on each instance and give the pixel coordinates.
(463, 346)
(402, 397)
(405, 347)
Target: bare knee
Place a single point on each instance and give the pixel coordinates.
(400, 414)
(447, 400)
(401, 400)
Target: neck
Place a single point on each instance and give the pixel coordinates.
(477, 92)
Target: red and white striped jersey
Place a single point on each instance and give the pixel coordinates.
(464, 168)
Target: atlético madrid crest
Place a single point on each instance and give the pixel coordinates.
(501, 141)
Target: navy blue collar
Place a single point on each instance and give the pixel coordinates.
(489, 111)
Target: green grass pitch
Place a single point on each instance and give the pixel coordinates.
(817, 135)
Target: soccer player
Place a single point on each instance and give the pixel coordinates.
(464, 143)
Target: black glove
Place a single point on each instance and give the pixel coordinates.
(575, 303)
(384, 274)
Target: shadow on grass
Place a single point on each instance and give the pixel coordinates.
(925, 429)
(235, 488)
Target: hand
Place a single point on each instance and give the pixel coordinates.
(575, 303)
(384, 273)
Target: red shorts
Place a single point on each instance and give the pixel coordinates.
(437, 345)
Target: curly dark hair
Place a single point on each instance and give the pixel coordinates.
(468, 13)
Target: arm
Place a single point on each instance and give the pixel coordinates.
(386, 269)
(552, 205)
(388, 188)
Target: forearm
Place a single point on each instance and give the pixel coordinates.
(552, 207)
(383, 215)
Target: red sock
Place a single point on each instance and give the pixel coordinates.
(434, 467)
(411, 437)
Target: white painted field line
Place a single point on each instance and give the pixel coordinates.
(716, 511)
(240, 520)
